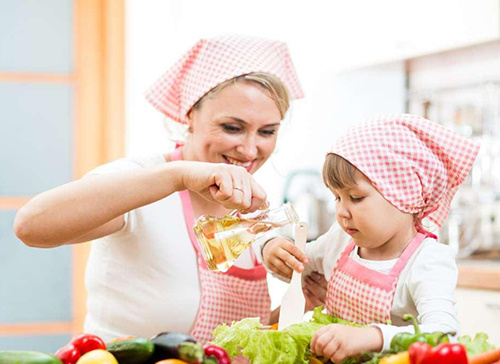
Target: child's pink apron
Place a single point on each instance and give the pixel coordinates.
(362, 295)
(225, 297)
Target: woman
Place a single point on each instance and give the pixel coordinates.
(145, 273)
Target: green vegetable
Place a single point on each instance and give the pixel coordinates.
(135, 350)
(478, 345)
(291, 345)
(260, 346)
(323, 318)
(402, 341)
(27, 357)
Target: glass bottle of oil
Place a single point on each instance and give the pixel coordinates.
(223, 239)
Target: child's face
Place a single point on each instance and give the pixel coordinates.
(371, 220)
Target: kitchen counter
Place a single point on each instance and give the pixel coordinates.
(481, 272)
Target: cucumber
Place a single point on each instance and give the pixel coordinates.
(136, 350)
(27, 357)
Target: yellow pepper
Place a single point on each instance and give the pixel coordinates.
(399, 358)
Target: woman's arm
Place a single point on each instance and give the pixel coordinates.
(94, 206)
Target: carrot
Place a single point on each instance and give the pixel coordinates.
(488, 357)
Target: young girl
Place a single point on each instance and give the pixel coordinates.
(386, 175)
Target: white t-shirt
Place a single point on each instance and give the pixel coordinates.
(143, 279)
(425, 287)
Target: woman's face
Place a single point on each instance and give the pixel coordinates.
(238, 125)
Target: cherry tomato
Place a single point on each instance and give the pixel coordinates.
(68, 354)
(88, 342)
(97, 356)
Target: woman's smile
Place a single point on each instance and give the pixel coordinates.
(248, 165)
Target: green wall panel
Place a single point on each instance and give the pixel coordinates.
(36, 36)
(47, 343)
(36, 137)
(35, 284)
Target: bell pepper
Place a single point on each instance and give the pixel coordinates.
(444, 353)
(68, 354)
(217, 353)
(403, 340)
(399, 358)
(88, 342)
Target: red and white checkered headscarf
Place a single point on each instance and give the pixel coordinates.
(416, 164)
(213, 61)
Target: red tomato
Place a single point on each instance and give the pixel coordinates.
(68, 354)
(88, 342)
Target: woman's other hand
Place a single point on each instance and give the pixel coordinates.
(314, 286)
(281, 256)
(229, 185)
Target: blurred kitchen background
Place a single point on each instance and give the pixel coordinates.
(72, 77)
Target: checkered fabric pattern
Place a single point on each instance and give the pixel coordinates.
(416, 164)
(226, 298)
(353, 300)
(213, 61)
(359, 294)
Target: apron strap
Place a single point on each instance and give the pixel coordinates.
(345, 253)
(407, 253)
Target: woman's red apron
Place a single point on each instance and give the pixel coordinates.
(225, 297)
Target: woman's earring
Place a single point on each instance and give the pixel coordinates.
(190, 129)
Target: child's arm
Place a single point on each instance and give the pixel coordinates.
(430, 283)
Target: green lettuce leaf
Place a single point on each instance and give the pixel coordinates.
(260, 346)
(289, 346)
(477, 345)
(321, 317)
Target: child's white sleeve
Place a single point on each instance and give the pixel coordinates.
(324, 251)
(431, 284)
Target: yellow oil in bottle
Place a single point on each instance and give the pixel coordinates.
(223, 239)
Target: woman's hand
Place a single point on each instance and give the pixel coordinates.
(337, 342)
(314, 286)
(229, 185)
(281, 256)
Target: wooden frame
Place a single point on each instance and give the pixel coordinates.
(99, 132)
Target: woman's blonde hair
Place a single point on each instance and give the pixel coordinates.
(267, 81)
(339, 173)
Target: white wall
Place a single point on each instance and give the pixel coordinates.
(326, 38)
(321, 40)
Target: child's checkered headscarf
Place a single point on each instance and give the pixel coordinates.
(416, 164)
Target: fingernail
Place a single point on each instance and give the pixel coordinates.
(301, 268)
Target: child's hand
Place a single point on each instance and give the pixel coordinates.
(337, 342)
(281, 255)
